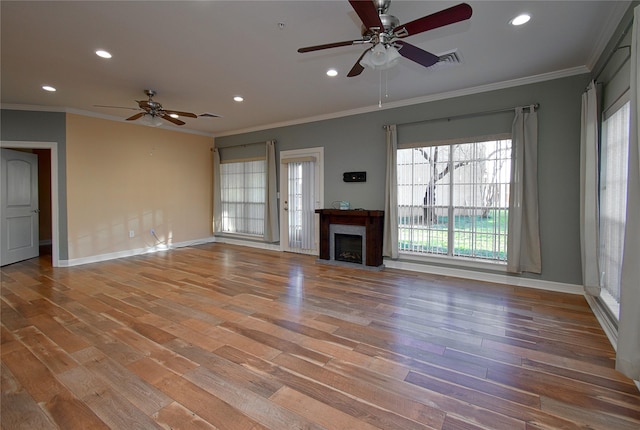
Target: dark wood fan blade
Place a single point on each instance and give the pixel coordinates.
(116, 107)
(329, 45)
(357, 68)
(448, 16)
(210, 115)
(136, 116)
(368, 13)
(416, 54)
(180, 113)
(173, 120)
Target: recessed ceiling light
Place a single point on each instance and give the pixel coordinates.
(332, 72)
(520, 19)
(48, 88)
(102, 53)
(238, 98)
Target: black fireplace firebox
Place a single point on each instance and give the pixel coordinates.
(348, 248)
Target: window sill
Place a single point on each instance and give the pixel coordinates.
(445, 260)
(240, 236)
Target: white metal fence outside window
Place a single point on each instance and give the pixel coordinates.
(454, 199)
(242, 186)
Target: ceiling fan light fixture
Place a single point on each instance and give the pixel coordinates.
(381, 57)
(151, 120)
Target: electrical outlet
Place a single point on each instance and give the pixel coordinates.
(132, 233)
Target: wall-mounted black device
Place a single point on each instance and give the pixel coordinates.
(354, 177)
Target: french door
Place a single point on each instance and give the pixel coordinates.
(301, 193)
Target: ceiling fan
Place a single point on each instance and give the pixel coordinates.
(153, 111)
(384, 32)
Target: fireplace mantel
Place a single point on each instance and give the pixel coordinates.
(372, 220)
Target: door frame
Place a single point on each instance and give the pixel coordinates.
(318, 153)
(55, 210)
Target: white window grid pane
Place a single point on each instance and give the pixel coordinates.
(461, 214)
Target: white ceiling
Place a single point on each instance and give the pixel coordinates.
(198, 54)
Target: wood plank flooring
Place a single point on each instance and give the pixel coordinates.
(225, 337)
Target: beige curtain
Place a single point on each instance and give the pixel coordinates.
(524, 236)
(589, 191)
(390, 233)
(217, 200)
(628, 348)
(271, 228)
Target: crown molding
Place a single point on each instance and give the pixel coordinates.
(418, 100)
(367, 109)
(36, 108)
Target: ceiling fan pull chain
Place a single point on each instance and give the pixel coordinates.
(386, 84)
(380, 89)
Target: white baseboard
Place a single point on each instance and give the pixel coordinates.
(132, 252)
(486, 277)
(392, 264)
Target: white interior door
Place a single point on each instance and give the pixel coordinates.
(19, 203)
(301, 193)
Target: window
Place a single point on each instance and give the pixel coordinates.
(614, 155)
(242, 186)
(454, 200)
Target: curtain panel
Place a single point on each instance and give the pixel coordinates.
(271, 228)
(589, 168)
(628, 348)
(217, 195)
(523, 245)
(390, 227)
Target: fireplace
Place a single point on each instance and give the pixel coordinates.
(351, 237)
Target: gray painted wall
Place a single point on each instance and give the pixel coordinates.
(32, 126)
(357, 143)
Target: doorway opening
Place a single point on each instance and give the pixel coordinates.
(49, 220)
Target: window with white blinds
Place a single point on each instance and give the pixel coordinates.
(242, 194)
(614, 160)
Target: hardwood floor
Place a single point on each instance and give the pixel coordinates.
(217, 336)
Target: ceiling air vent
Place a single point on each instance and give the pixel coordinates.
(447, 60)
